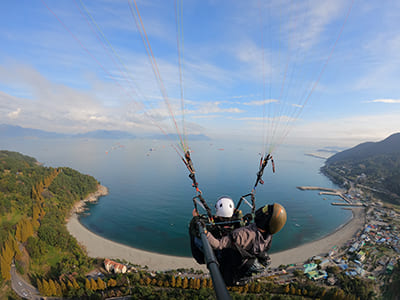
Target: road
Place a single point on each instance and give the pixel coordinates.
(21, 287)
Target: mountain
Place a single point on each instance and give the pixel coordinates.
(106, 134)
(390, 145)
(17, 131)
(375, 165)
(7, 131)
(10, 131)
(191, 137)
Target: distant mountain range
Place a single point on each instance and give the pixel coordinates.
(17, 131)
(390, 145)
(9, 131)
(191, 137)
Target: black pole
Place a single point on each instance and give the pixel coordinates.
(212, 266)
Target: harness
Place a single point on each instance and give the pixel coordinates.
(189, 164)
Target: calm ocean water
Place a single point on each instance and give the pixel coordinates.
(150, 201)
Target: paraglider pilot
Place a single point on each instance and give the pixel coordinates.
(245, 249)
(226, 219)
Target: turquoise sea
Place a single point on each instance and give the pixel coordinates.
(149, 204)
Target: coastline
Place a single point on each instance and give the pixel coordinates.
(322, 246)
(97, 246)
(93, 197)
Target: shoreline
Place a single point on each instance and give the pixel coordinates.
(93, 197)
(97, 246)
(339, 237)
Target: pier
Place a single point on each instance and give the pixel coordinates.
(328, 191)
(357, 204)
(316, 188)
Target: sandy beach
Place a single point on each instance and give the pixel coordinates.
(98, 246)
(322, 246)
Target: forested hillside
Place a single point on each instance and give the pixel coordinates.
(376, 165)
(388, 146)
(34, 202)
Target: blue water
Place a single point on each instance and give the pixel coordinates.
(150, 195)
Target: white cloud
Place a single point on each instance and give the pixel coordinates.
(65, 109)
(14, 114)
(61, 108)
(350, 130)
(275, 120)
(242, 96)
(390, 101)
(297, 105)
(205, 108)
(260, 102)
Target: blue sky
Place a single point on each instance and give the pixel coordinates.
(248, 68)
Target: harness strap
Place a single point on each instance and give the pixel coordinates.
(253, 201)
(204, 203)
(263, 164)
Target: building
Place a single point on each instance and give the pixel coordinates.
(361, 256)
(317, 275)
(114, 266)
(331, 280)
(324, 263)
(360, 271)
(309, 267)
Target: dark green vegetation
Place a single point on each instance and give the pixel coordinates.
(392, 288)
(390, 145)
(373, 165)
(34, 202)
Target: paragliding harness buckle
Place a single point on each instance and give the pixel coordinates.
(263, 164)
(189, 164)
(203, 203)
(253, 201)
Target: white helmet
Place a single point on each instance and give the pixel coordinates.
(224, 207)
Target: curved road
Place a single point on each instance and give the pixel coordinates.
(23, 288)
